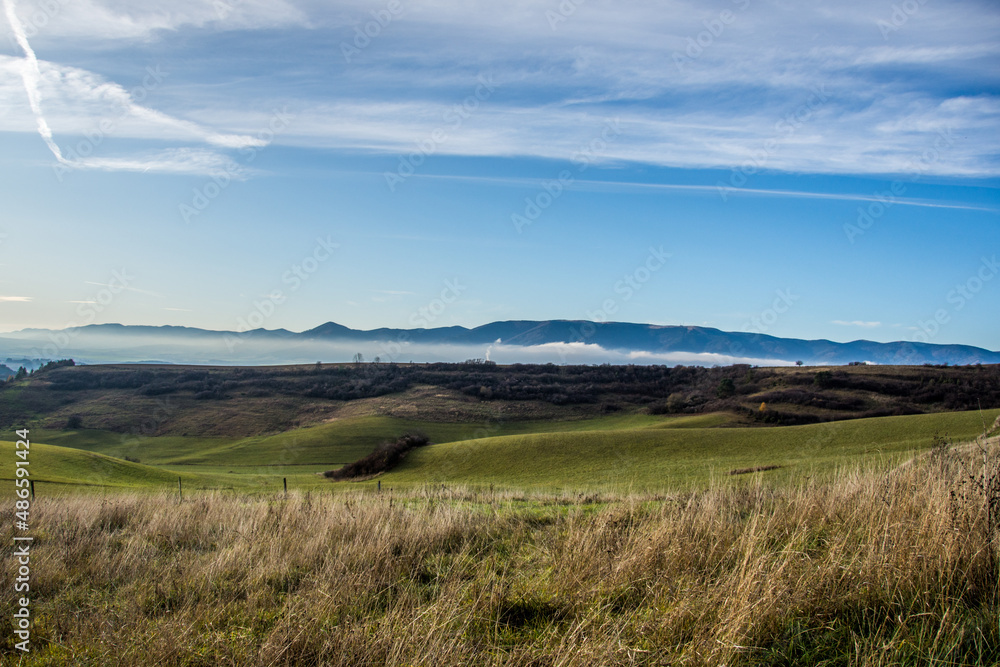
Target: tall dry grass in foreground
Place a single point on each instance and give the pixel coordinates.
(874, 569)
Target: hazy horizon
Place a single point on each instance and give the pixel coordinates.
(505, 343)
(244, 327)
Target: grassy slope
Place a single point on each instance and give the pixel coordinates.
(84, 457)
(617, 451)
(667, 458)
(58, 470)
(61, 465)
(333, 443)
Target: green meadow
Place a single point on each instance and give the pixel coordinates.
(623, 452)
(659, 458)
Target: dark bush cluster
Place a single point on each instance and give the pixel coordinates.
(782, 417)
(385, 457)
(560, 385)
(822, 400)
(62, 363)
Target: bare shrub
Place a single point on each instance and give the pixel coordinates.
(385, 457)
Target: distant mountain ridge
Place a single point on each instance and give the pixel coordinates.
(674, 338)
(643, 342)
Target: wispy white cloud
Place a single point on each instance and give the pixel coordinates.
(857, 323)
(125, 287)
(919, 55)
(15, 298)
(101, 20)
(171, 161)
(76, 89)
(624, 186)
(83, 103)
(885, 98)
(883, 137)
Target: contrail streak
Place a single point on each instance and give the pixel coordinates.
(31, 75)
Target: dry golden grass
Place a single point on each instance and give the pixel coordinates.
(874, 569)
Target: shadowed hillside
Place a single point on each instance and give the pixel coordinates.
(241, 402)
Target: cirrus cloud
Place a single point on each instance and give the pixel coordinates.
(856, 323)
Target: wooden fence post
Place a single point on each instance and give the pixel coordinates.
(284, 480)
(180, 491)
(31, 485)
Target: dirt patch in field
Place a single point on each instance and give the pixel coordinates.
(746, 471)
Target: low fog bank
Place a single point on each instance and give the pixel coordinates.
(258, 348)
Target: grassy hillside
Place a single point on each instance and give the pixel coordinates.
(334, 443)
(60, 465)
(63, 470)
(663, 458)
(85, 456)
(623, 452)
(96, 459)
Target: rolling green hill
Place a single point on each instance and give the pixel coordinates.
(51, 464)
(95, 458)
(59, 470)
(337, 442)
(621, 452)
(656, 459)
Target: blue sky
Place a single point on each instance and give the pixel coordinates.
(812, 169)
